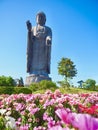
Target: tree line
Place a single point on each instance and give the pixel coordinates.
(66, 68)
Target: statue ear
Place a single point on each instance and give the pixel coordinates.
(45, 19)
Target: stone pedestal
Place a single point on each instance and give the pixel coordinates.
(35, 78)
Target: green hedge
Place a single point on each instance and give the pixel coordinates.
(14, 90)
(6, 81)
(43, 85)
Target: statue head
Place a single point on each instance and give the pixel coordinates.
(41, 18)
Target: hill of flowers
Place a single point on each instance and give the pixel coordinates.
(49, 111)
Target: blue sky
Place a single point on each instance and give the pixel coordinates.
(74, 25)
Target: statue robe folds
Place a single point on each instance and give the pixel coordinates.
(39, 51)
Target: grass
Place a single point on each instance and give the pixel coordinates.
(76, 90)
(71, 90)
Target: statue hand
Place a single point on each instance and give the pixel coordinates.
(48, 41)
(29, 26)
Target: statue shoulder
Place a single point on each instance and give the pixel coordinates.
(34, 30)
(48, 28)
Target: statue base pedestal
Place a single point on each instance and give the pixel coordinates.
(35, 78)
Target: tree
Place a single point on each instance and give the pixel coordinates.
(67, 69)
(90, 84)
(6, 81)
(21, 81)
(9, 81)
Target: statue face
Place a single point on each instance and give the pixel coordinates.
(41, 19)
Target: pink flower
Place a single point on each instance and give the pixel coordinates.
(65, 115)
(57, 93)
(24, 127)
(45, 116)
(51, 123)
(20, 107)
(17, 123)
(30, 120)
(39, 128)
(80, 121)
(85, 122)
(34, 110)
(58, 127)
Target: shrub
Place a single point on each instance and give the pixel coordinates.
(6, 81)
(90, 84)
(64, 84)
(14, 90)
(22, 90)
(96, 87)
(43, 85)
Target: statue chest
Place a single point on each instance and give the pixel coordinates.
(40, 32)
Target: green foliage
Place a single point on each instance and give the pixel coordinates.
(22, 90)
(96, 87)
(91, 81)
(15, 114)
(67, 68)
(46, 84)
(75, 90)
(64, 84)
(21, 81)
(14, 90)
(43, 85)
(6, 81)
(2, 123)
(90, 84)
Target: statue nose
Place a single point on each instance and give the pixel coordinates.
(40, 18)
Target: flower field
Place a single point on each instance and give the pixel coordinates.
(49, 111)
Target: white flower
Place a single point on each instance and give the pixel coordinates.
(10, 122)
(8, 113)
(2, 111)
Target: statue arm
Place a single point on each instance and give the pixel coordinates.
(48, 48)
(29, 45)
(49, 37)
(29, 26)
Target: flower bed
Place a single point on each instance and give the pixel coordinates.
(49, 111)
